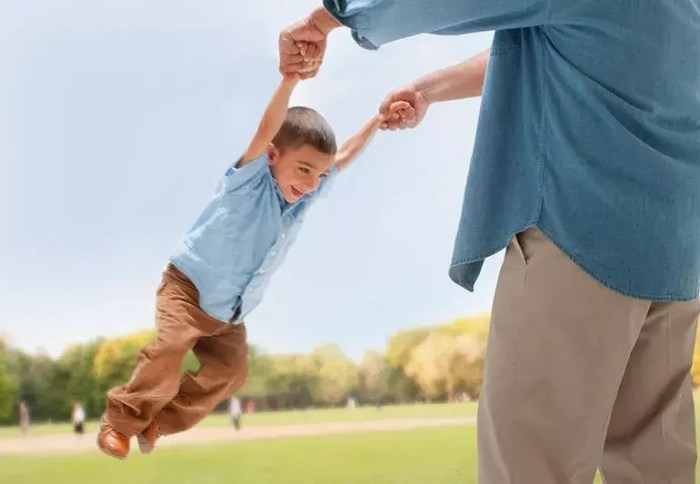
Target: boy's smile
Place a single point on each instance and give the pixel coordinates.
(298, 171)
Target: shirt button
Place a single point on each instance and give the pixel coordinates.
(273, 253)
(284, 235)
(260, 271)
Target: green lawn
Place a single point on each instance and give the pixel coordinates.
(296, 417)
(444, 456)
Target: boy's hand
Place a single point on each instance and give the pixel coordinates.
(403, 108)
(401, 116)
(308, 67)
(303, 44)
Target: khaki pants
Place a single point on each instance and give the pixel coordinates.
(578, 376)
(157, 392)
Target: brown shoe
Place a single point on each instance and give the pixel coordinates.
(147, 438)
(111, 442)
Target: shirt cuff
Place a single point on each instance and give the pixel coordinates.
(358, 22)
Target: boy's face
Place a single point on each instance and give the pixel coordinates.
(298, 171)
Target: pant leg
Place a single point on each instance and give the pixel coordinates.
(651, 436)
(558, 346)
(156, 378)
(223, 359)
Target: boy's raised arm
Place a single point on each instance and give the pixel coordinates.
(352, 148)
(272, 120)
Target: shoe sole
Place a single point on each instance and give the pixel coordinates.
(145, 450)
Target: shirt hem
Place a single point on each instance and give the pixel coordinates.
(184, 268)
(469, 286)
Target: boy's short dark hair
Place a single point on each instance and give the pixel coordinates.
(304, 126)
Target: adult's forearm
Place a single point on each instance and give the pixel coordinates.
(460, 81)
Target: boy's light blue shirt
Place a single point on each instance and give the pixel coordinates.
(241, 238)
(589, 130)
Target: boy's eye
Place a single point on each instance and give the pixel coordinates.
(304, 170)
(323, 175)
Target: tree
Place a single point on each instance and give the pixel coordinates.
(293, 379)
(81, 384)
(398, 353)
(695, 370)
(373, 377)
(478, 327)
(260, 371)
(115, 359)
(400, 346)
(34, 376)
(337, 375)
(444, 364)
(8, 387)
(401, 387)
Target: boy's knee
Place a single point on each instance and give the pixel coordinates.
(237, 363)
(175, 350)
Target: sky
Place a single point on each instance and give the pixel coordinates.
(117, 119)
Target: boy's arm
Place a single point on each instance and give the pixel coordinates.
(272, 120)
(352, 148)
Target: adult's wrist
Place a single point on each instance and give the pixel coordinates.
(323, 20)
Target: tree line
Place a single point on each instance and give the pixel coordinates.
(436, 363)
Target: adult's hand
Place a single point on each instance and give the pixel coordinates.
(302, 45)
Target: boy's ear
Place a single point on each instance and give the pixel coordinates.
(273, 154)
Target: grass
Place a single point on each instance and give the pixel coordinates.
(443, 455)
(294, 417)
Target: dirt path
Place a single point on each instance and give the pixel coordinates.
(67, 443)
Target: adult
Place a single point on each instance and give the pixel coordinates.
(587, 167)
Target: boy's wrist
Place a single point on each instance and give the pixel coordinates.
(290, 80)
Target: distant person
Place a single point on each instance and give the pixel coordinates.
(24, 418)
(352, 403)
(250, 406)
(235, 410)
(78, 418)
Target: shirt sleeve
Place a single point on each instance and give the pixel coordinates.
(237, 177)
(377, 22)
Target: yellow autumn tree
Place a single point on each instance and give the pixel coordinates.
(695, 370)
(116, 358)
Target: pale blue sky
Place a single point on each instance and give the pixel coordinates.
(117, 118)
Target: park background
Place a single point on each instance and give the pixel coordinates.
(117, 119)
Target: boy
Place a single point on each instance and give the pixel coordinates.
(218, 276)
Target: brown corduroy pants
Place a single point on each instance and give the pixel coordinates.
(157, 391)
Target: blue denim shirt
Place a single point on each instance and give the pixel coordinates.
(240, 239)
(589, 129)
